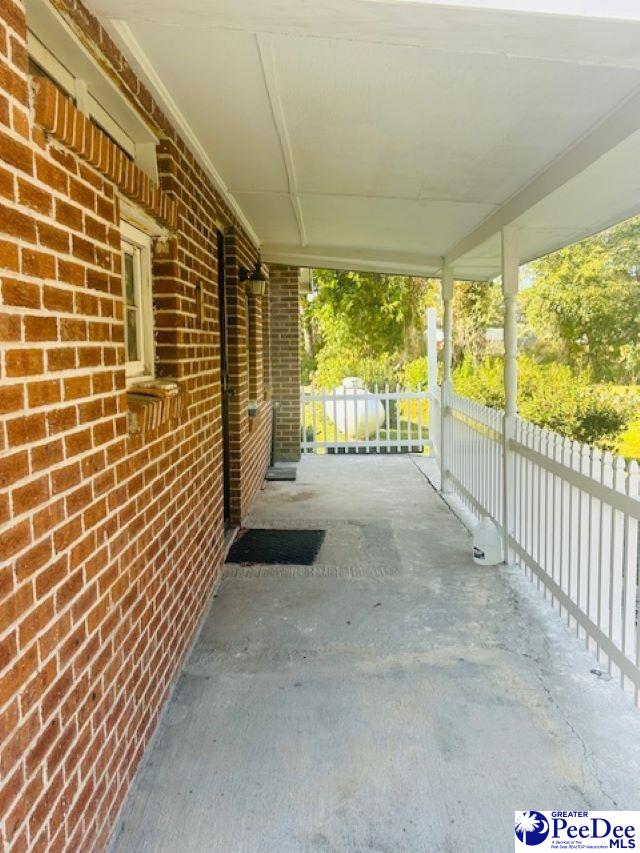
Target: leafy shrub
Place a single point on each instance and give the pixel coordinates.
(552, 396)
(333, 367)
(413, 373)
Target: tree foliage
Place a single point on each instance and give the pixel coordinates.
(584, 307)
(364, 324)
(579, 332)
(552, 396)
(476, 306)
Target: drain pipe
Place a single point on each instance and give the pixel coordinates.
(274, 421)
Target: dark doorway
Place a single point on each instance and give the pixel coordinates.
(224, 376)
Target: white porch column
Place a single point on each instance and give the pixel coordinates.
(510, 284)
(447, 329)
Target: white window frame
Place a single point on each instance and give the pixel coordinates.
(57, 50)
(138, 244)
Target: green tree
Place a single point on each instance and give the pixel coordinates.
(576, 408)
(584, 307)
(364, 324)
(476, 306)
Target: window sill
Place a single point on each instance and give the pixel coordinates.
(257, 415)
(152, 405)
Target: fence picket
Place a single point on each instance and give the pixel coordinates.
(351, 410)
(575, 525)
(576, 516)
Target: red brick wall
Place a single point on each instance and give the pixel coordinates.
(250, 436)
(110, 540)
(284, 331)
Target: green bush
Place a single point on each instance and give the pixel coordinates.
(413, 373)
(333, 367)
(552, 396)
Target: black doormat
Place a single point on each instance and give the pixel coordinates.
(290, 547)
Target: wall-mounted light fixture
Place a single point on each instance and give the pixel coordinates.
(256, 280)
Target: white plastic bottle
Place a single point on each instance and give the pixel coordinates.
(487, 547)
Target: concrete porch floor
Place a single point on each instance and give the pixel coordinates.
(394, 696)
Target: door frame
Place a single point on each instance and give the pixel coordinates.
(225, 388)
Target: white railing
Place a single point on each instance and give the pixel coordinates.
(573, 517)
(346, 420)
(474, 434)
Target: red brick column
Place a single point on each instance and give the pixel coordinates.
(284, 331)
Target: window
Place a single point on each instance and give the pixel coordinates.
(138, 308)
(56, 52)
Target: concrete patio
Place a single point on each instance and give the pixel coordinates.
(394, 696)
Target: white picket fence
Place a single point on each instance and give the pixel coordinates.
(572, 514)
(325, 414)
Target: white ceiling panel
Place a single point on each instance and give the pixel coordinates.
(274, 212)
(399, 133)
(407, 122)
(602, 32)
(393, 224)
(215, 77)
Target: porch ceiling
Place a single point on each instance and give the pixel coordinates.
(386, 134)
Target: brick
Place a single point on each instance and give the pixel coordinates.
(9, 256)
(14, 540)
(8, 649)
(24, 362)
(25, 429)
(51, 577)
(10, 788)
(10, 327)
(65, 478)
(7, 184)
(52, 237)
(34, 197)
(63, 358)
(50, 174)
(43, 393)
(69, 215)
(13, 83)
(61, 420)
(38, 264)
(47, 518)
(29, 496)
(40, 328)
(20, 293)
(45, 455)
(16, 153)
(13, 468)
(57, 299)
(11, 398)
(34, 559)
(77, 386)
(42, 745)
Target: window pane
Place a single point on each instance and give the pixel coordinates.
(132, 334)
(129, 284)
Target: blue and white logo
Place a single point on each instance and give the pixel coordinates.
(531, 827)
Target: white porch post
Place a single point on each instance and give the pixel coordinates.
(510, 283)
(447, 329)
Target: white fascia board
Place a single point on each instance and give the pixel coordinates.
(611, 131)
(53, 34)
(616, 10)
(349, 259)
(124, 37)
